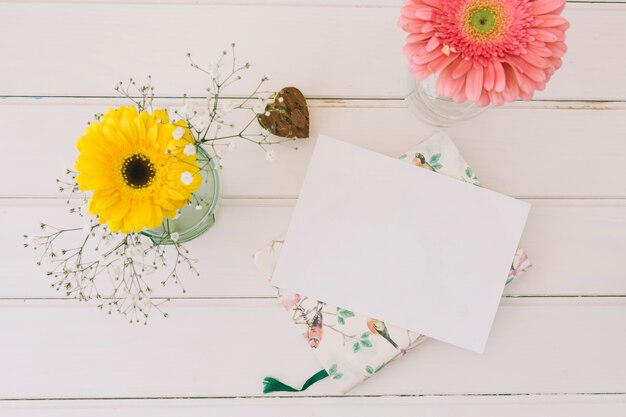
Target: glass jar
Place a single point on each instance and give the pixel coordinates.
(199, 215)
(436, 110)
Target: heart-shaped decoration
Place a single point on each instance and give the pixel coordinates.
(287, 116)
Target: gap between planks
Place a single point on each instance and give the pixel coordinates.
(362, 4)
(290, 201)
(347, 396)
(320, 102)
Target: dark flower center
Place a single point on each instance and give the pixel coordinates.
(138, 171)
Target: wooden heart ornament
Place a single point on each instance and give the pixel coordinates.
(287, 116)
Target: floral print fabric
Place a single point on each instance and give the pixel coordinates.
(352, 347)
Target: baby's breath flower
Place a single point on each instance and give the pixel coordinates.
(190, 149)
(178, 132)
(227, 107)
(214, 71)
(270, 155)
(117, 271)
(127, 259)
(259, 107)
(186, 178)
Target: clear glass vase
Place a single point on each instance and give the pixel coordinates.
(436, 110)
(199, 215)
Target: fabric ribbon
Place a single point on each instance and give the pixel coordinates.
(272, 384)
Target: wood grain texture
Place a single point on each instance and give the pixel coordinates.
(567, 405)
(523, 150)
(577, 248)
(224, 348)
(348, 52)
(276, 3)
(557, 347)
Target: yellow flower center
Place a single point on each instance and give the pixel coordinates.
(138, 171)
(484, 20)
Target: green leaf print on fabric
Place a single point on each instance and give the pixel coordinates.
(469, 174)
(369, 370)
(342, 315)
(434, 161)
(333, 372)
(364, 342)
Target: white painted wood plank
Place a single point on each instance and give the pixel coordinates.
(577, 248)
(461, 406)
(224, 348)
(326, 51)
(296, 3)
(538, 149)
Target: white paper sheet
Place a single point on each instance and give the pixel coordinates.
(407, 246)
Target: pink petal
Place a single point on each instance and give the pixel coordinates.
(548, 35)
(535, 60)
(414, 26)
(558, 49)
(437, 4)
(496, 98)
(412, 49)
(416, 37)
(526, 68)
(500, 79)
(432, 44)
(425, 58)
(450, 85)
(474, 82)
(550, 20)
(428, 27)
(526, 96)
(490, 76)
(408, 11)
(483, 100)
(462, 67)
(545, 6)
(419, 72)
(424, 14)
(511, 90)
(556, 64)
(460, 97)
(440, 63)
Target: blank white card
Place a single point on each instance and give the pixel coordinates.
(407, 246)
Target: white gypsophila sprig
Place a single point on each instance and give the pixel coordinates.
(210, 125)
(88, 262)
(142, 95)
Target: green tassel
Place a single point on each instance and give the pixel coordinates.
(272, 384)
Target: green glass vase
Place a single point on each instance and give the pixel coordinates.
(199, 215)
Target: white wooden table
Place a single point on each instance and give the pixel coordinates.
(558, 346)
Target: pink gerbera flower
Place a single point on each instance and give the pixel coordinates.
(486, 51)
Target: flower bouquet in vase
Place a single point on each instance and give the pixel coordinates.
(467, 54)
(145, 181)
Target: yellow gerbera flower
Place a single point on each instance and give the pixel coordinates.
(139, 166)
